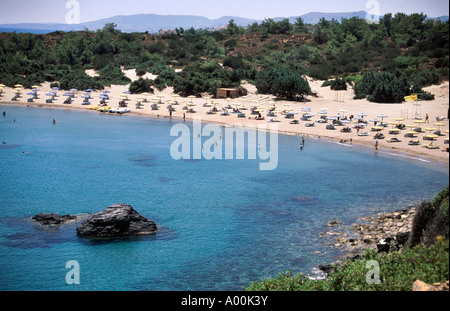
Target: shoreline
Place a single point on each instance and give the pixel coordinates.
(382, 231)
(367, 146)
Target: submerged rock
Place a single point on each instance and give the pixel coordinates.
(116, 221)
(48, 219)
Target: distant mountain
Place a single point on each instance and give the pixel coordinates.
(153, 22)
(314, 17)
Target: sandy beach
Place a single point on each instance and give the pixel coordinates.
(337, 103)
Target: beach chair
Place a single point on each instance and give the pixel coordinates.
(241, 115)
(393, 140)
(414, 142)
(363, 134)
(330, 127)
(433, 147)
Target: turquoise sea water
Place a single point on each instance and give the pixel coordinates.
(223, 223)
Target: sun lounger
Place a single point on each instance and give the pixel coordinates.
(414, 142)
(393, 140)
(433, 147)
(363, 134)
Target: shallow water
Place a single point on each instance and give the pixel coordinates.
(223, 223)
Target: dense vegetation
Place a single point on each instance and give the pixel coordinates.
(403, 53)
(426, 258)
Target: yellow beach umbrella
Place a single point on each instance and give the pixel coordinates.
(419, 121)
(430, 129)
(439, 124)
(18, 86)
(378, 128)
(431, 136)
(2, 85)
(399, 119)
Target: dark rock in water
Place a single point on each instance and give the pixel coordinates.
(326, 268)
(332, 223)
(52, 219)
(116, 221)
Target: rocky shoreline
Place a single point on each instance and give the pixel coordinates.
(384, 232)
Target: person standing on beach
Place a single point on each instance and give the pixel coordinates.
(376, 144)
(427, 118)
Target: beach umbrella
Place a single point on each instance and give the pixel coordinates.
(127, 92)
(89, 90)
(18, 86)
(431, 136)
(35, 86)
(106, 91)
(439, 125)
(382, 116)
(378, 128)
(30, 93)
(55, 88)
(50, 94)
(399, 119)
(2, 85)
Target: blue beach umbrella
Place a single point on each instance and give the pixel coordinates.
(127, 92)
(55, 88)
(89, 90)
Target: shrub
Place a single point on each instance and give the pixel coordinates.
(338, 84)
(431, 220)
(141, 86)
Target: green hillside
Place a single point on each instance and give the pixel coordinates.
(403, 53)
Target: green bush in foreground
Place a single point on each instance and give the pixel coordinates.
(398, 271)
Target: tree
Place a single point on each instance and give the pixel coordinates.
(382, 87)
(299, 26)
(283, 81)
(141, 86)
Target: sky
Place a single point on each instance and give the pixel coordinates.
(55, 11)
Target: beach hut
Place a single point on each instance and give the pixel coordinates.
(227, 93)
